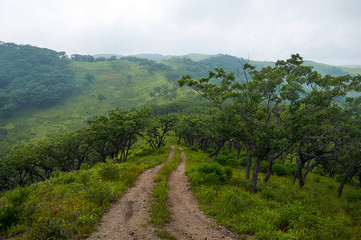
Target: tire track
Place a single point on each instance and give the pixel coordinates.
(127, 219)
(187, 221)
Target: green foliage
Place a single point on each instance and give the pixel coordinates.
(278, 210)
(110, 171)
(159, 211)
(212, 174)
(279, 169)
(31, 76)
(227, 160)
(354, 197)
(68, 205)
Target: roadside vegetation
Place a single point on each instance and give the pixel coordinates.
(68, 205)
(278, 209)
(285, 133)
(159, 211)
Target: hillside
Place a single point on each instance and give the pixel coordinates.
(283, 125)
(93, 88)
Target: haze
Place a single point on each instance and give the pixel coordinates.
(325, 31)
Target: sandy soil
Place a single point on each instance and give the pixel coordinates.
(187, 221)
(127, 219)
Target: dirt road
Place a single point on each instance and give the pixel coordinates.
(187, 221)
(128, 218)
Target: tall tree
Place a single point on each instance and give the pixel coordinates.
(275, 105)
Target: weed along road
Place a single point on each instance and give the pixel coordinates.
(128, 218)
(187, 221)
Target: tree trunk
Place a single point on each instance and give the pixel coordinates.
(308, 170)
(249, 164)
(351, 171)
(344, 180)
(300, 175)
(269, 172)
(255, 175)
(219, 147)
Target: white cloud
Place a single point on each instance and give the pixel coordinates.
(323, 30)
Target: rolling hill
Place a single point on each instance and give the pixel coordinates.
(128, 82)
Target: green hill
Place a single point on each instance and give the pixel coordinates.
(60, 94)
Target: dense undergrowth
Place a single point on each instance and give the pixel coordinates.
(159, 211)
(278, 210)
(68, 205)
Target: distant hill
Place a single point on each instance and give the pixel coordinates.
(84, 89)
(351, 66)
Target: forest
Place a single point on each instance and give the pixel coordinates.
(256, 135)
(31, 76)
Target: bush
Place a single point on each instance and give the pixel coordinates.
(227, 160)
(353, 197)
(212, 173)
(221, 159)
(279, 169)
(339, 178)
(291, 169)
(319, 171)
(9, 216)
(288, 216)
(317, 179)
(235, 202)
(264, 167)
(194, 148)
(243, 161)
(110, 171)
(210, 150)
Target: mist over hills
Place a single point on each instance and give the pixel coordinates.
(43, 92)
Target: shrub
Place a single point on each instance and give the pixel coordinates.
(18, 195)
(110, 171)
(353, 197)
(339, 178)
(279, 169)
(210, 150)
(264, 166)
(243, 161)
(221, 159)
(234, 202)
(9, 216)
(317, 179)
(228, 171)
(288, 216)
(291, 169)
(194, 148)
(319, 171)
(266, 191)
(210, 174)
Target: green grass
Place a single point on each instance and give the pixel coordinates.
(117, 84)
(279, 210)
(68, 205)
(159, 210)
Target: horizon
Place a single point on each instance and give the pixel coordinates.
(264, 30)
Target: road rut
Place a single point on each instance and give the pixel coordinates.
(127, 219)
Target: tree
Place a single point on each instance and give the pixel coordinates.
(274, 109)
(158, 127)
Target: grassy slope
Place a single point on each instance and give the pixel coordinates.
(68, 205)
(117, 84)
(279, 210)
(121, 84)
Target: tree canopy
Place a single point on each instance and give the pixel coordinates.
(32, 76)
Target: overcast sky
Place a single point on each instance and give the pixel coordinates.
(327, 31)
